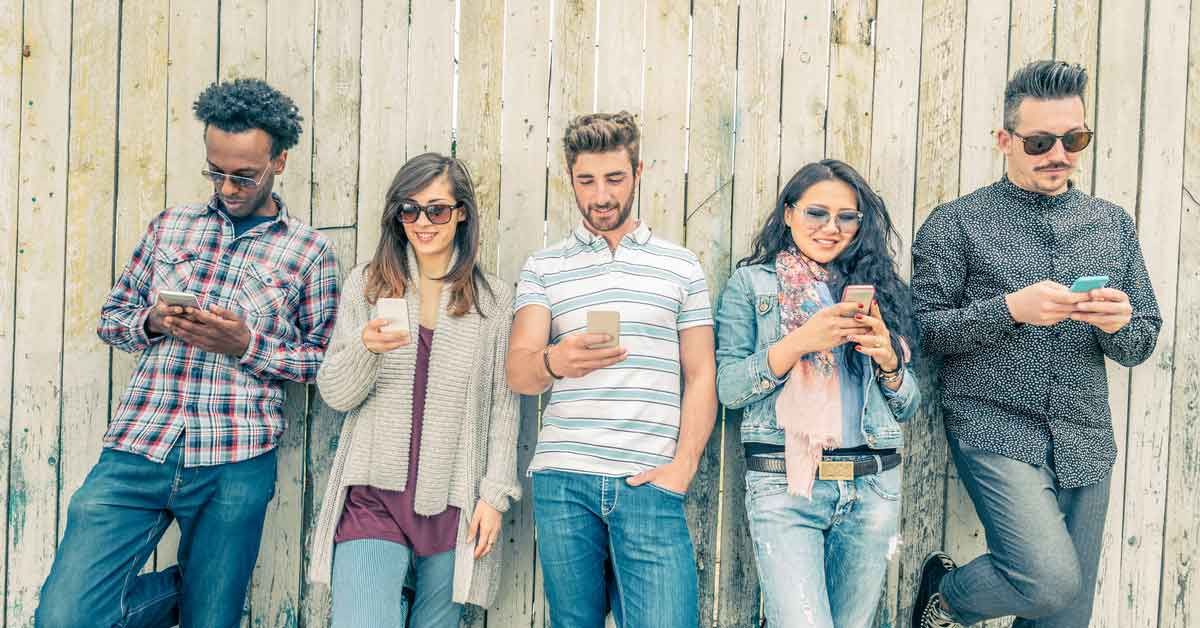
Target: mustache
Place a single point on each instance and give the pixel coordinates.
(1053, 166)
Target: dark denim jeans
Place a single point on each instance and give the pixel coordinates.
(585, 521)
(1043, 541)
(821, 562)
(114, 522)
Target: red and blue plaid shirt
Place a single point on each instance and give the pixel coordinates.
(279, 276)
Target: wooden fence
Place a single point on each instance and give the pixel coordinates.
(98, 136)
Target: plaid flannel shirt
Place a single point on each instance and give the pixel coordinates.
(279, 276)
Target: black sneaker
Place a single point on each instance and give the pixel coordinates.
(927, 611)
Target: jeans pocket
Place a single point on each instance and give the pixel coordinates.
(760, 484)
(675, 494)
(885, 484)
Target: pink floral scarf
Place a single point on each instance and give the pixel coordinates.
(809, 408)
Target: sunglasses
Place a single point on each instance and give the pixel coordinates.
(1041, 143)
(245, 183)
(814, 218)
(438, 214)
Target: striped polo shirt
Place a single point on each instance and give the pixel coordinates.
(623, 419)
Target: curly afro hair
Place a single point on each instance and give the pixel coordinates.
(244, 104)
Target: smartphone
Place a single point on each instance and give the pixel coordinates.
(1087, 284)
(396, 311)
(604, 322)
(182, 299)
(861, 294)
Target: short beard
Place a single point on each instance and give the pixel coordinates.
(622, 216)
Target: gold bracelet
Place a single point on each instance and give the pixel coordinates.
(890, 378)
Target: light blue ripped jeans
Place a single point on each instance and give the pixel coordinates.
(821, 563)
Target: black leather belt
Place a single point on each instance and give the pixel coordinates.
(830, 469)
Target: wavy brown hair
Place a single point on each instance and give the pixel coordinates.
(387, 274)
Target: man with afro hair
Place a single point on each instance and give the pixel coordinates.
(193, 438)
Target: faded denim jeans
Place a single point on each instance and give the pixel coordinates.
(821, 563)
(636, 535)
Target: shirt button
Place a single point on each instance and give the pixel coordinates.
(763, 306)
(871, 441)
(764, 385)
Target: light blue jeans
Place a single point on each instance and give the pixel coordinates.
(368, 586)
(821, 563)
(637, 537)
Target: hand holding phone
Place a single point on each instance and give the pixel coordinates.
(1087, 284)
(862, 295)
(604, 322)
(396, 311)
(181, 299)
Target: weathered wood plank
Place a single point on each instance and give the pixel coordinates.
(939, 135)
(430, 77)
(1122, 29)
(10, 135)
(572, 92)
(480, 75)
(37, 328)
(805, 97)
(243, 49)
(1076, 40)
(89, 265)
(1031, 33)
(619, 53)
(892, 169)
(522, 203)
(290, 57)
(851, 76)
(1180, 597)
(664, 120)
(707, 223)
(385, 90)
(336, 94)
(324, 429)
(1150, 389)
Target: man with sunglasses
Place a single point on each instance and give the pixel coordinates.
(193, 439)
(1024, 386)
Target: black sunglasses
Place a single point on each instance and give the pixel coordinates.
(438, 214)
(1041, 143)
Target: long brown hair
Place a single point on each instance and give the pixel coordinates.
(387, 273)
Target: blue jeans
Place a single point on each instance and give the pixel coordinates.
(1043, 541)
(821, 563)
(637, 536)
(114, 522)
(368, 586)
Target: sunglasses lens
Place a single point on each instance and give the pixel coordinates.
(816, 217)
(409, 213)
(1076, 141)
(1039, 144)
(438, 214)
(848, 221)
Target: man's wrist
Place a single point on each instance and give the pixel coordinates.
(546, 362)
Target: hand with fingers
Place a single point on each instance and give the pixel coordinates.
(378, 341)
(575, 357)
(484, 530)
(1107, 309)
(828, 328)
(216, 330)
(877, 343)
(1043, 304)
(157, 321)
(674, 476)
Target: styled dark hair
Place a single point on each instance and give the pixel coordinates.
(387, 274)
(1043, 80)
(870, 257)
(243, 104)
(601, 133)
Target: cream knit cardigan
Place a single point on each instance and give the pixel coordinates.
(469, 431)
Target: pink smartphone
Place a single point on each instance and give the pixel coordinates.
(861, 294)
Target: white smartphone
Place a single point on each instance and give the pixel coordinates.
(182, 299)
(396, 311)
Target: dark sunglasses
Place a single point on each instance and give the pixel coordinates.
(438, 214)
(1041, 143)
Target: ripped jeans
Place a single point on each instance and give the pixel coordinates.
(821, 563)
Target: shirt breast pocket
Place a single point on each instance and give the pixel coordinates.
(173, 268)
(766, 319)
(264, 293)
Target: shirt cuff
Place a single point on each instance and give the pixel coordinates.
(257, 358)
(137, 329)
(764, 379)
(496, 495)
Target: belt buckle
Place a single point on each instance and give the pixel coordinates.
(836, 470)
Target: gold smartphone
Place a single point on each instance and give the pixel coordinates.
(604, 322)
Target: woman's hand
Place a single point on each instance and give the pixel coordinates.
(485, 529)
(877, 342)
(828, 328)
(378, 341)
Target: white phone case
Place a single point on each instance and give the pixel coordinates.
(182, 299)
(396, 311)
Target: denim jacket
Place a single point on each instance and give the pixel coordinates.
(747, 322)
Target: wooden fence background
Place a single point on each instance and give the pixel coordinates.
(98, 136)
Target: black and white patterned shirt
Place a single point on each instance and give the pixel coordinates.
(1016, 389)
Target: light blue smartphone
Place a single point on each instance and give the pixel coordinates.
(1087, 284)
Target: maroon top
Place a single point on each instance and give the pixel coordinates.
(376, 513)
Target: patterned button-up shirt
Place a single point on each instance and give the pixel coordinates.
(1019, 390)
(279, 276)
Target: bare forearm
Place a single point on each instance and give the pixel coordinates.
(527, 373)
(698, 414)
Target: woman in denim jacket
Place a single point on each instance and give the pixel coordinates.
(824, 386)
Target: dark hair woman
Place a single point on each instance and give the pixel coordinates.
(427, 457)
(813, 332)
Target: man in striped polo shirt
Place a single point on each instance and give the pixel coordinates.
(620, 441)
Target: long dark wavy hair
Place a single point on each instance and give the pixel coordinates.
(870, 257)
(388, 272)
